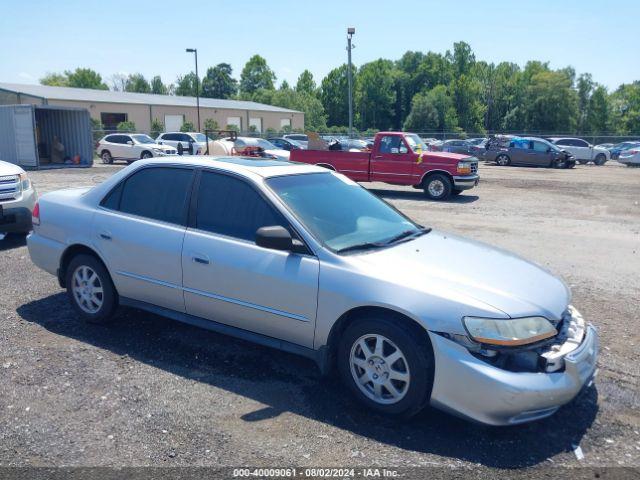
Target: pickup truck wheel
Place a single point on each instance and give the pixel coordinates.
(106, 157)
(503, 160)
(601, 159)
(437, 187)
(90, 289)
(385, 366)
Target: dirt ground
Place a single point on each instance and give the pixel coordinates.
(149, 391)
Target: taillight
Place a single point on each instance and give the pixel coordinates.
(35, 215)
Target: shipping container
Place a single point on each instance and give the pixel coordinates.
(45, 136)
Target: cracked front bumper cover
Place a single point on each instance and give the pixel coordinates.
(469, 387)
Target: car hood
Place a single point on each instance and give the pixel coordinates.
(7, 168)
(281, 154)
(441, 262)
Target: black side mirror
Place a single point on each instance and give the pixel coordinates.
(548, 149)
(275, 238)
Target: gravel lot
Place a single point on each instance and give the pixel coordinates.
(150, 391)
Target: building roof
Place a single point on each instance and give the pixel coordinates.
(108, 96)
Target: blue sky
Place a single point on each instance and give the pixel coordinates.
(149, 37)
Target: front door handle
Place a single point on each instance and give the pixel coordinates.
(105, 235)
(378, 156)
(203, 259)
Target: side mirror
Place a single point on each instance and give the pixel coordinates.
(130, 142)
(548, 149)
(275, 238)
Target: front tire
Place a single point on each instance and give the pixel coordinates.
(503, 160)
(601, 159)
(386, 365)
(437, 187)
(90, 289)
(146, 155)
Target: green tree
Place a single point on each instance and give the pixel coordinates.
(625, 104)
(158, 87)
(256, 75)
(334, 95)
(187, 126)
(55, 80)
(157, 127)
(375, 95)
(218, 82)
(433, 111)
(137, 83)
(598, 111)
(285, 85)
(305, 83)
(315, 118)
(551, 103)
(85, 78)
(585, 88)
(210, 124)
(186, 85)
(127, 126)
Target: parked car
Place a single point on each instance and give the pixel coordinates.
(476, 141)
(353, 145)
(507, 150)
(285, 143)
(243, 143)
(582, 150)
(303, 259)
(455, 146)
(621, 147)
(17, 199)
(192, 143)
(400, 159)
(298, 137)
(130, 147)
(607, 146)
(630, 157)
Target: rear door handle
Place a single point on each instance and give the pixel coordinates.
(203, 259)
(378, 156)
(105, 235)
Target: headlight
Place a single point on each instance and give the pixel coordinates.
(464, 167)
(25, 183)
(509, 332)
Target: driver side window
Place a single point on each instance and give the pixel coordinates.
(392, 144)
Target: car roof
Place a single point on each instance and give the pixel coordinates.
(262, 167)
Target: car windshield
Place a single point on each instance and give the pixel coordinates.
(340, 213)
(143, 139)
(415, 143)
(199, 137)
(266, 145)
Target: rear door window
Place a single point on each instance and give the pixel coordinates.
(229, 206)
(158, 193)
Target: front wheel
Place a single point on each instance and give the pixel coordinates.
(386, 366)
(437, 187)
(146, 155)
(503, 160)
(601, 159)
(90, 289)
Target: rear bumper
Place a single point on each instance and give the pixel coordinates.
(466, 182)
(471, 388)
(45, 253)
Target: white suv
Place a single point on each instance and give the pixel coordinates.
(582, 150)
(17, 199)
(191, 143)
(130, 147)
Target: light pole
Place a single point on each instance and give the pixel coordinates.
(350, 32)
(195, 52)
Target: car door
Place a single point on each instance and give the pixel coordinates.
(138, 231)
(518, 151)
(540, 154)
(115, 145)
(583, 150)
(229, 279)
(393, 161)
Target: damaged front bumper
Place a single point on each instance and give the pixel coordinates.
(473, 388)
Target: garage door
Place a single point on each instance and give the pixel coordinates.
(23, 125)
(173, 123)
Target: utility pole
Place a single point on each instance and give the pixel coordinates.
(195, 51)
(350, 32)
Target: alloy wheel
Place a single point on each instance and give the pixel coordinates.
(87, 289)
(379, 369)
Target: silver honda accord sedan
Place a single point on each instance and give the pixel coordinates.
(302, 259)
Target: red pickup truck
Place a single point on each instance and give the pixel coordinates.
(400, 159)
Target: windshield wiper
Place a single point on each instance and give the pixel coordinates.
(361, 246)
(407, 234)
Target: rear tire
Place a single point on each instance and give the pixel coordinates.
(601, 159)
(396, 377)
(106, 157)
(90, 289)
(437, 187)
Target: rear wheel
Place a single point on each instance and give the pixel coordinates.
(106, 157)
(386, 366)
(90, 289)
(437, 187)
(503, 160)
(601, 159)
